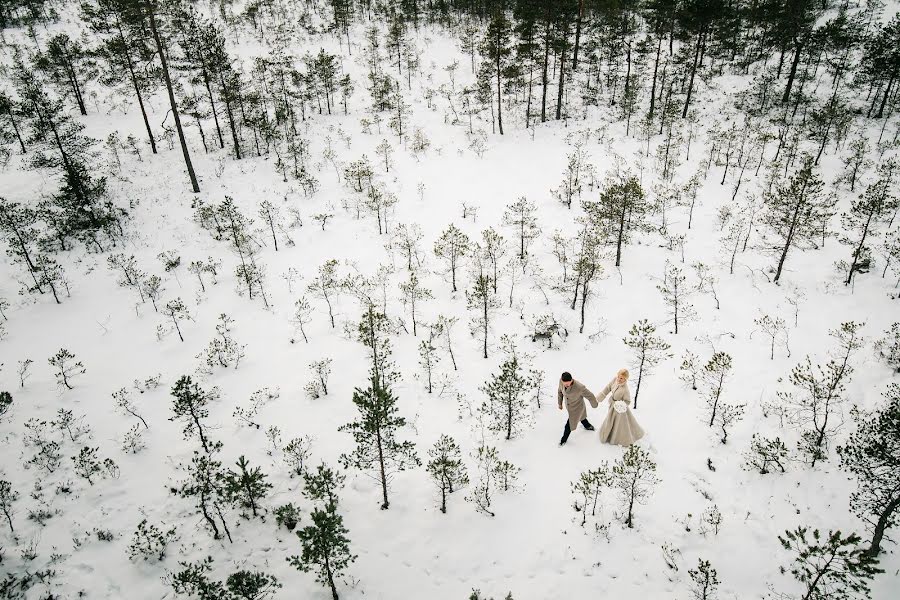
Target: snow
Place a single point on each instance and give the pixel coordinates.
(534, 547)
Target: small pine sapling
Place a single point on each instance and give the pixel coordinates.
(634, 475)
(251, 585)
(302, 316)
(713, 377)
(153, 289)
(66, 367)
(377, 448)
(774, 329)
(177, 311)
(888, 347)
(323, 485)
(504, 407)
(587, 489)
(325, 548)
(8, 497)
(690, 367)
(446, 468)
(648, 350)
(190, 405)
(123, 401)
(247, 486)
(24, 366)
(322, 369)
(704, 581)
(149, 542)
(676, 293)
(765, 455)
(296, 454)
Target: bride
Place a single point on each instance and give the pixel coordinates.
(620, 427)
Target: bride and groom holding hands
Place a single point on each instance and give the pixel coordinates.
(619, 427)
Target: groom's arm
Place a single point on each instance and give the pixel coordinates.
(590, 397)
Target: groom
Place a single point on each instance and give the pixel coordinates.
(574, 393)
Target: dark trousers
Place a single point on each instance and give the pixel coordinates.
(584, 422)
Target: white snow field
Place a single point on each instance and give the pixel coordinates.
(535, 545)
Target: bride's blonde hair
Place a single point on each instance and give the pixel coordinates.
(622, 372)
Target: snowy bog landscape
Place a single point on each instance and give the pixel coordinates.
(290, 286)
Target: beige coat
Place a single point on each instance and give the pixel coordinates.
(575, 397)
(619, 428)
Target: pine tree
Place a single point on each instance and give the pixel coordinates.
(66, 367)
(377, 448)
(496, 48)
(125, 49)
(322, 485)
(586, 267)
(446, 468)
(18, 224)
(648, 349)
(12, 111)
(452, 247)
(8, 496)
(704, 581)
(443, 328)
(872, 454)
(250, 585)
(375, 331)
(247, 486)
(483, 303)
(177, 311)
(820, 393)
(829, 567)
(888, 347)
(62, 60)
(326, 285)
(428, 359)
(150, 10)
(621, 211)
(190, 405)
(634, 475)
(588, 487)
(864, 219)
(765, 454)
(675, 294)
(325, 548)
(881, 61)
(413, 291)
(493, 475)
(504, 407)
(794, 211)
(493, 249)
(193, 580)
(713, 376)
(206, 485)
(521, 215)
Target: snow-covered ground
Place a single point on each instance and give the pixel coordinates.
(534, 546)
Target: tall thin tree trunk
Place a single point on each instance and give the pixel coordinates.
(792, 74)
(687, 101)
(137, 87)
(577, 35)
(653, 87)
(544, 69)
(165, 67)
